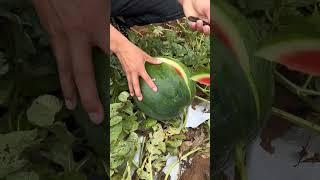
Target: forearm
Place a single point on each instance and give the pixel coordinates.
(116, 40)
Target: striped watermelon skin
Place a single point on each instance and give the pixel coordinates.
(243, 84)
(175, 90)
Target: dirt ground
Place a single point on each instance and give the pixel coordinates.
(199, 169)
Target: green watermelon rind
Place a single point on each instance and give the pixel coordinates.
(197, 77)
(243, 94)
(274, 50)
(186, 73)
(236, 26)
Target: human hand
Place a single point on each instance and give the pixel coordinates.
(133, 60)
(200, 9)
(74, 27)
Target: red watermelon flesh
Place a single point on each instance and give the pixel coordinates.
(307, 61)
(203, 78)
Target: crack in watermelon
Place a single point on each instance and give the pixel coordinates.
(307, 61)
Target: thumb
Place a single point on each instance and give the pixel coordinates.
(152, 60)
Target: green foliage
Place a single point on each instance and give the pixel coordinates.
(176, 41)
(11, 147)
(124, 140)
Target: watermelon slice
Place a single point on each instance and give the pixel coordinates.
(203, 78)
(297, 54)
(297, 46)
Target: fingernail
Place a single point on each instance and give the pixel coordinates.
(155, 89)
(95, 117)
(131, 94)
(140, 98)
(70, 104)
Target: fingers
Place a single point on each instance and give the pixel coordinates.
(200, 27)
(149, 81)
(193, 25)
(136, 86)
(151, 60)
(206, 29)
(84, 77)
(129, 78)
(64, 64)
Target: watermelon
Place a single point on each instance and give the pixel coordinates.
(202, 78)
(175, 90)
(297, 46)
(243, 84)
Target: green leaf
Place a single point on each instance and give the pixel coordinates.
(71, 176)
(62, 133)
(121, 149)
(11, 147)
(4, 66)
(123, 97)
(5, 90)
(128, 108)
(130, 124)
(23, 176)
(173, 131)
(145, 171)
(149, 123)
(43, 110)
(115, 131)
(61, 154)
(116, 161)
(114, 109)
(115, 120)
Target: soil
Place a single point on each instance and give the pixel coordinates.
(198, 170)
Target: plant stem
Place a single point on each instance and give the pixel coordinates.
(127, 173)
(13, 107)
(307, 82)
(202, 99)
(296, 120)
(239, 156)
(142, 150)
(184, 119)
(203, 90)
(293, 87)
(82, 162)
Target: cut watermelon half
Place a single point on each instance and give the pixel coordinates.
(203, 78)
(297, 54)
